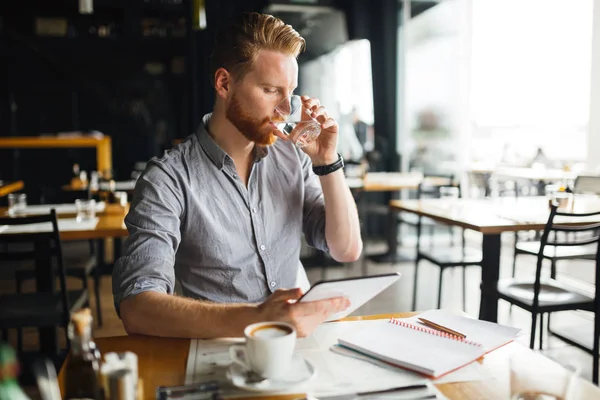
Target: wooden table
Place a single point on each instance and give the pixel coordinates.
(119, 186)
(110, 224)
(102, 145)
(535, 174)
(392, 181)
(7, 187)
(541, 176)
(491, 218)
(162, 362)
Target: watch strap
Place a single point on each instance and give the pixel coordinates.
(329, 168)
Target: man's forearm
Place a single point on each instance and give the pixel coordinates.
(342, 227)
(160, 314)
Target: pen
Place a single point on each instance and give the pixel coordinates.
(167, 392)
(392, 390)
(416, 392)
(442, 328)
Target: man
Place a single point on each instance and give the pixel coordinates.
(224, 211)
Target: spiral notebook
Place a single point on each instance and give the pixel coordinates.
(406, 344)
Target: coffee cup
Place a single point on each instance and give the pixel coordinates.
(268, 350)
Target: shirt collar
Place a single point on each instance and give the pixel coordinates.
(216, 154)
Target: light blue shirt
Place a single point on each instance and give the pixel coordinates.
(193, 219)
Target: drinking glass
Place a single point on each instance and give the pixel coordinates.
(295, 122)
(528, 383)
(86, 209)
(17, 202)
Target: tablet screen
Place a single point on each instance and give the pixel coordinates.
(358, 290)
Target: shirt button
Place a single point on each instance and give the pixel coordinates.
(273, 284)
(254, 210)
(262, 247)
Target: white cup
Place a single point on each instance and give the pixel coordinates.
(268, 350)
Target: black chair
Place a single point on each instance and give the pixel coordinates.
(445, 257)
(80, 266)
(583, 185)
(44, 308)
(428, 189)
(541, 295)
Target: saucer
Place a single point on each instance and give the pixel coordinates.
(301, 371)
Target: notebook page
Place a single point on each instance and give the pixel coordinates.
(490, 335)
(423, 352)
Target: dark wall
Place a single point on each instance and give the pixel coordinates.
(377, 21)
(124, 84)
(143, 91)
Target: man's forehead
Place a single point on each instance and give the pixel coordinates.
(274, 64)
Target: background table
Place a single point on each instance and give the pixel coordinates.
(491, 218)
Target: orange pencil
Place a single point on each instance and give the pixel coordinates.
(439, 327)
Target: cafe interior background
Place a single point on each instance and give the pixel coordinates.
(453, 87)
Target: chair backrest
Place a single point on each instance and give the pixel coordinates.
(579, 229)
(587, 184)
(431, 184)
(35, 238)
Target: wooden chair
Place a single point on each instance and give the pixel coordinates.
(541, 296)
(45, 307)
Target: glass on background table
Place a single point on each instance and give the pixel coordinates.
(17, 202)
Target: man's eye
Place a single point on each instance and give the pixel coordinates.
(270, 90)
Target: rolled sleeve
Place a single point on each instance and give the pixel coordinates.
(313, 224)
(153, 223)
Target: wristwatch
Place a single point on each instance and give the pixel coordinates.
(329, 168)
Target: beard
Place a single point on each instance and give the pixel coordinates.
(252, 128)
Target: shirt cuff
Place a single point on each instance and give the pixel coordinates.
(137, 287)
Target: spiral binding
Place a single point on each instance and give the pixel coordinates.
(432, 332)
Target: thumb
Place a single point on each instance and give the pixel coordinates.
(286, 294)
(279, 134)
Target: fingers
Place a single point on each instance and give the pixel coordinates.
(323, 307)
(328, 124)
(318, 112)
(311, 104)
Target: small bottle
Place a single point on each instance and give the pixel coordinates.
(9, 371)
(82, 369)
(76, 182)
(94, 181)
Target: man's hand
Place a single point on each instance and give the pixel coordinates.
(305, 316)
(322, 151)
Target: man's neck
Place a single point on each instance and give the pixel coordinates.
(229, 138)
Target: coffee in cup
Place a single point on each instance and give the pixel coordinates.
(271, 331)
(268, 350)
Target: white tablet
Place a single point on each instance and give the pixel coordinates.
(357, 290)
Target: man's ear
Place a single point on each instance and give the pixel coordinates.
(222, 82)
